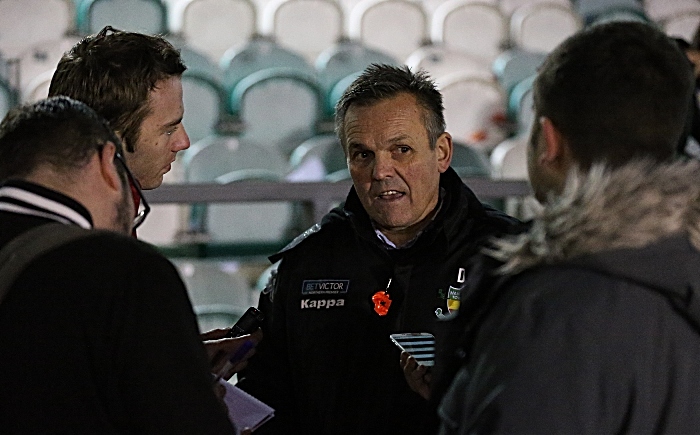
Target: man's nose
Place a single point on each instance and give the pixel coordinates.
(182, 142)
(383, 167)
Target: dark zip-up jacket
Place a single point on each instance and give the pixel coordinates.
(327, 364)
(97, 336)
(594, 325)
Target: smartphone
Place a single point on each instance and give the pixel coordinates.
(421, 345)
(248, 323)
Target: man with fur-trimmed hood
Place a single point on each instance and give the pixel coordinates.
(591, 323)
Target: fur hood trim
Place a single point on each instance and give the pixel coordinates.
(630, 207)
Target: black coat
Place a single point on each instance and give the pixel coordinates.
(98, 336)
(327, 363)
(595, 325)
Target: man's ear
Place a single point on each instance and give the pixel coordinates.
(108, 168)
(556, 149)
(443, 148)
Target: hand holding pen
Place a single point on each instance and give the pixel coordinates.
(237, 361)
(222, 349)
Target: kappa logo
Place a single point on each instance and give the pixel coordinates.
(321, 303)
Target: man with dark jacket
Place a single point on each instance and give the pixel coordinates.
(390, 260)
(96, 335)
(591, 324)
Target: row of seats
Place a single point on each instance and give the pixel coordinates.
(397, 27)
(238, 87)
(266, 85)
(306, 25)
(218, 91)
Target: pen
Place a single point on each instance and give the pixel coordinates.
(235, 359)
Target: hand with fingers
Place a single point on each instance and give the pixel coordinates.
(418, 376)
(222, 349)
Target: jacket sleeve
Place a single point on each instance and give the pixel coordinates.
(268, 374)
(166, 384)
(545, 364)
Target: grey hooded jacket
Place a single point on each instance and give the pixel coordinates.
(595, 326)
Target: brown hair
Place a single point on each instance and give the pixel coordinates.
(380, 82)
(616, 91)
(113, 72)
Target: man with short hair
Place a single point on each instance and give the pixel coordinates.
(388, 261)
(134, 81)
(97, 335)
(592, 324)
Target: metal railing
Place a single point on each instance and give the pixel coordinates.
(319, 197)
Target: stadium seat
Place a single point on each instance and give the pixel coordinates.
(25, 23)
(397, 27)
(521, 105)
(514, 65)
(618, 15)
(8, 98)
(226, 159)
(539, 27)
(199, 63)
(217, 155)
(469, 162)
(41, 60)
(682, 25)
(37, 88)
(304, 26)
(340, 60)
(509, 6)
(595, 11)
(214, 26)
(439, 61)
(278, 107)
(204, 102)
(259, 222)
(316, 157)
(472, 27)
(658, 10)
(475, 110)
(257, 54)
(509, 162)
(339, 88)
(218, 290)
(146, 16)
(203, 94)
(509, 158)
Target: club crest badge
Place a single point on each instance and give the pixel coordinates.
(453, 295)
